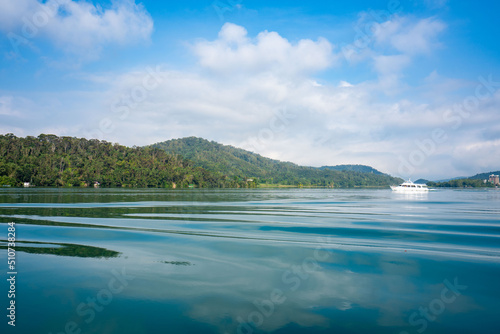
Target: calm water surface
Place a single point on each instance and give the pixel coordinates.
(252, 261)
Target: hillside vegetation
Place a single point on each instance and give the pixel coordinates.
(48, 160)
(476, 181)
(484, 176)
(353, 168)
(462, 183)
(240, 164)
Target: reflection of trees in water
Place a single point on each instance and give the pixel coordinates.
(65, 250)
(178, 263)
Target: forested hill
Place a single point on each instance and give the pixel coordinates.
(476, 181)
(226, 159)
(353, 168)
(241, 164)
(484, 176)
(48, 160)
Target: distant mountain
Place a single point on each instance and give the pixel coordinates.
(353, 168)
(239, 164)
(422, 181)
(462, 183)
(484, 176)
(480, 176)
(452, 179)
(475, 181)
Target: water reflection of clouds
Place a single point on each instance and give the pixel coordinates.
(228, 277)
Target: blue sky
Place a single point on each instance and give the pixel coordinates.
(408, 87)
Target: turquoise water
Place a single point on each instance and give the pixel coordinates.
(252, 261)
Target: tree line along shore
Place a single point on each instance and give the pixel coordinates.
(53, 161)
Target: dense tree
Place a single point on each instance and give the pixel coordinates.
(241, 165)
(462, 183)
(49, 160)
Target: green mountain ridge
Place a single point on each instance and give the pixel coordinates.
(484, 176)
(479, 176)
(224, 159)
(476, 181)
(241, 164)
(52, 161)
(353, 168)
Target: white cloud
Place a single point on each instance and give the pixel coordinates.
(12, 12)
(77, 27)
(6, 106)
(234, 52)
(409, 36)
(391, 64)
(389, 69)
(397, 43)
(49, 112)
(344, 84)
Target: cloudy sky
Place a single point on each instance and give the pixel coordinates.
(411, 88)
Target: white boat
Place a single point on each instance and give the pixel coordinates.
(410, 187)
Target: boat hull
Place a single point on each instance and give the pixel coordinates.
(409, 190)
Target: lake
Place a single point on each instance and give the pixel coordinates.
(252, 261)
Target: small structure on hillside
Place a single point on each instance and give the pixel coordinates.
(26, 185)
